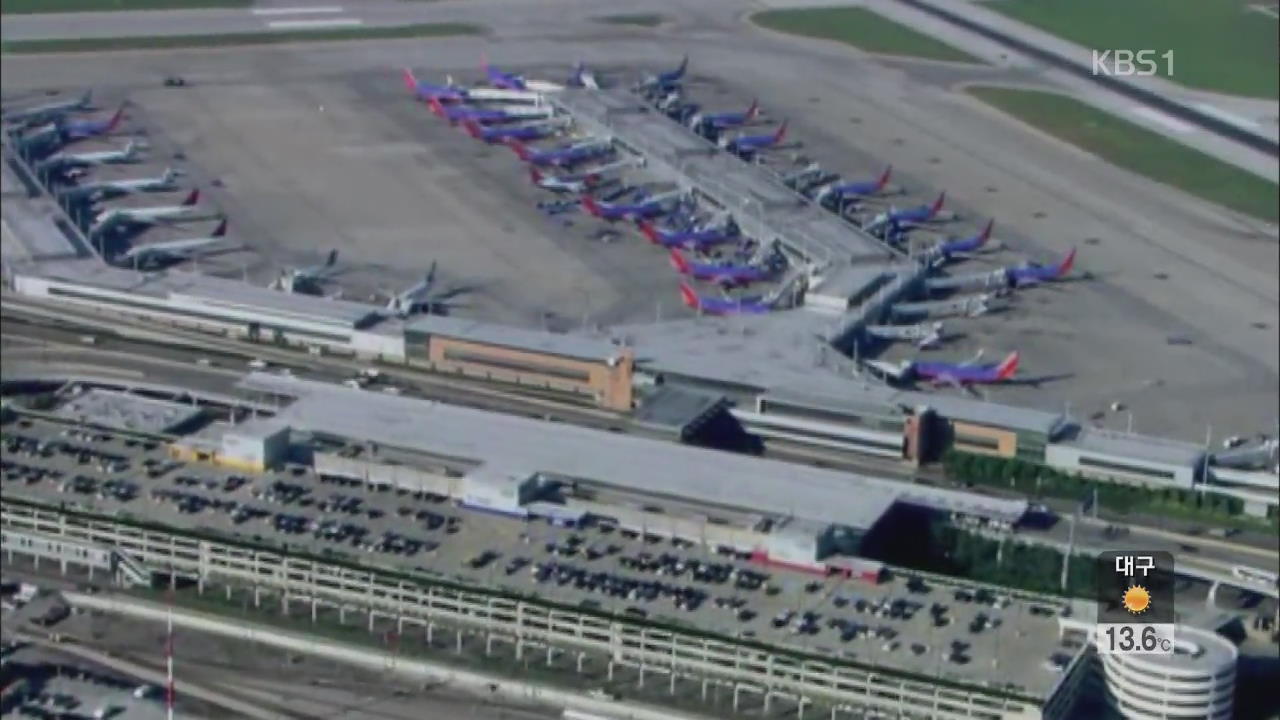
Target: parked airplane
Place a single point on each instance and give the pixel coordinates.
(70, 130)
(1031, 274)
(184, 212)
(511, 81)
(724, 274)
(173, 249)
(965, 305)
(110, 188)
(668, 78)
(582, 77)
(294, 279)
(698, 238)
(925, 335)
(957, 374)
(724, 306)
(638, 210)
(863, 188)
(950, 248)
(562, 156)
(579, 182)
(918, 214)
(50, 111)
(503, 133)
(428, 91)
(747, 144)
(1011, 277)
(458, 113)
(725, 120)
(60, 161)
(411, 300)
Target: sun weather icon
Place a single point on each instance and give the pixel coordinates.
(1137, 600)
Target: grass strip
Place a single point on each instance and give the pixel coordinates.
(164, 42)
(1138, 149)
(28, 7)
(642, 20)
(862, 29)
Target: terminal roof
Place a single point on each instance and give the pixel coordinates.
(632, 463)
(197, 291)
(744, 189)
(1137, 447)
(124, 411)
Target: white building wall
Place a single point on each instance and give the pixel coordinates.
(1072, 459)
(1198, 683)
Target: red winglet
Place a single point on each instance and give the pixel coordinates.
(519, 148)
(649, 231)
(473, 129)
(689, 296)
(986, 232)
(937, 204)
(436, 107)
(884, 178)
(115, 119)
(535, 176)
(192, 199)
(591, 206)
(1008, 367)
(410, 81)
(1067, 263)
(782, 132)
(753, 111)
(679, 263)
(221, 229)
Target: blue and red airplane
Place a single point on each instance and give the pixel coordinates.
(746, 144)
(504, 133)
(696, 239)
(427, 91)
(725, 120)
(861, 188)
(668, 78)
(918, 214)
(957, 374)
(724, 274)
(651, 207)
(562, 156)
(458, 113)
(1032, 274)
(949, 248)
(70, 130)
(725, 306)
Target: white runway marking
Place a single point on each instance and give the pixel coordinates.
(1225, 116)
(297, 10)
(310, 24)
(1156, 116)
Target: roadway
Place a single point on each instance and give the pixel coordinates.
(175, 365)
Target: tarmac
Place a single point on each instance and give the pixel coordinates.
(1175, 305)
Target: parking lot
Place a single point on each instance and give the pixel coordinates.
(900, 623)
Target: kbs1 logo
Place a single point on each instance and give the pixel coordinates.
(1127, 63)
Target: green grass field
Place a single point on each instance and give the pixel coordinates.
(862, 29)
(1137, 149)
(1217, 44)
(643, 20)
(232, 39)
(54, 6)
